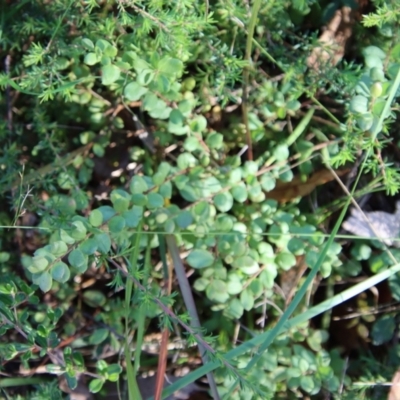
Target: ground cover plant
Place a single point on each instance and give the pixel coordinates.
(175, 178)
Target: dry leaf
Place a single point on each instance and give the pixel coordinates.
(333, 40)
(286, 191)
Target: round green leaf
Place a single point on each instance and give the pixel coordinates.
(215, 140)
(39, 264)
(223, 201)
(91, 59)
(169, 226)
(134, 92)
(216, 291)
(109, 74)
(307, 383)
(78, 260)
(239, 192)
(268, 182)
(94, 298)
(234, 285)
(176, 117)
(247, 299)
(170, 67)
(132, 217)
(281, 152)
(383, 330)
(116, 224)
(60, 272)
(107, 212)
(154, 200)
(78, 231)
(199, 124)
(201, 284)
(120, 200)
(103, 242)
(44, 281)
(88, 247)
(285, 260)
(184, 219)
(58, 248)
(200, 258)
(246, 264)
(96, 218)
(234, 309)
(359, 104)
(138, 185)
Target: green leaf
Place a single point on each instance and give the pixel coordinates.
(96, 218)
(138, 185)
(184, 219)
(65, 181)
(4, 256)
(198, 124)
(91, 59)
(139, 199)
(134, 92)
(98, 336)
(120, 200)
(103, 242)
(246, 264)
(281, 152)
(176, 117)
(113, 372)
(39, 264)
(383, 330)
(78, 231)
(239, 192)
(58, 248)
(307, 383)
(216, 291)
(95, 385)
(215, 140)
(88, 247)
(154, 200)
(267, 182)
(171, 67)
(285, 260)
(200, 259)
(234, 285)
(44, 281)
(132, 217)
(94, 298)
(169, 226)
(87, 43)
(359, 104)
(247, 299)
(116, 224)
(234, 309)
(110, 51)
(223, 201)
(201, 284)
(107, 212)
(162, 172)
(60, 272)
(145, 77)
(109, 74)
(78, 260)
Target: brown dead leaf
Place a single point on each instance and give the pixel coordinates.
(333, 40)
(286, 191)
(291, 278)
